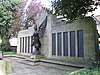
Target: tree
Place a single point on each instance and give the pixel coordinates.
(7, 15)
(7, 10)
(71, 9)
(29, 12)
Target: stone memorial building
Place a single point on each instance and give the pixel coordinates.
(67, 42)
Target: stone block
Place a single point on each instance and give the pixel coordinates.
(5, 67)
(37, 57)
(1, 55)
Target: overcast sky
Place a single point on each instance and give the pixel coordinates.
(46, 3)
(96, 12)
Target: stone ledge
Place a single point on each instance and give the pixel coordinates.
(63, 63)
(37, 57)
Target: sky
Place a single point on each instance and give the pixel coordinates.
(46, 3)
(96, 12)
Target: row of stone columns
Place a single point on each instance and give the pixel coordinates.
(69, 44)
(25, 44)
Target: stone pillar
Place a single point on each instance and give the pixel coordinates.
(30, 44)
(69, 44)
(21, 44)
(18, 45)
(24, 45)
(5, 67)
(37, 57)
(27, 45)
(56, 46)
(76, 44)
(62, 45)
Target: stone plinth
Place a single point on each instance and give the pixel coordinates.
(37, 57)
(5, 67)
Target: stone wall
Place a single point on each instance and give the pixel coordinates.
(88, 26)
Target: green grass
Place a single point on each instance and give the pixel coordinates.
(8, 53)
(95, 71)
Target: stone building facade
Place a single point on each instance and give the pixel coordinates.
(72, 42)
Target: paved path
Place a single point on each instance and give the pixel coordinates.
(23, 67)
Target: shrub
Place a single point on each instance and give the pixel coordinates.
(4, 46)
(85, 71)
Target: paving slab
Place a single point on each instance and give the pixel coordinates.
(23, 67)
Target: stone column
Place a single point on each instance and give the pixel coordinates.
(68, 44)
(27, 45)
(62, 45)
(24, 45)
(56, 46)
(30, 44)
(18, 45)
(76, 44)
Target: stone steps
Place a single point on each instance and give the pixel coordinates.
(62, 63)
(50, 61)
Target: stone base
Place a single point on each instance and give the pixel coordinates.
(5, 67)
(37, 57)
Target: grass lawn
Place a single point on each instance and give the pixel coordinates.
(8, 53)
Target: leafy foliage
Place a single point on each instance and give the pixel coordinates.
(85, 71)
(28, 11)
(7, 15)
(4, 46)
(71, 9)
(94, 61)
(7, 9)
